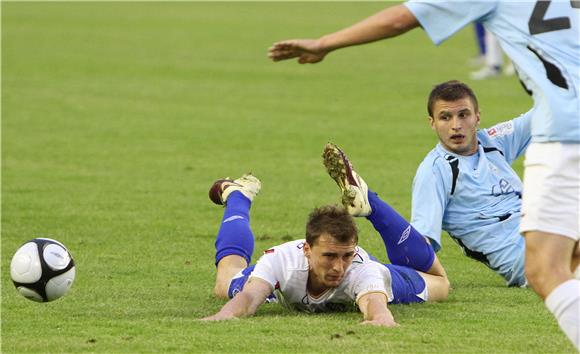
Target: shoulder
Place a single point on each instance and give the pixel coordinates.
(488, 138)
(361, 256)
(289, 254)
(435, 163)
(366, 272)
(367, 277)
(291, 246)
(430, 159)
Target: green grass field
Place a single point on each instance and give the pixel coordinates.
(116, 119)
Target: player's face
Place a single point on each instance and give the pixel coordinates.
(328, 260)
(455, 123)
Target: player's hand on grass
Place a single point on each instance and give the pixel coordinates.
(306, 50)
(385, 322)
(219, 317)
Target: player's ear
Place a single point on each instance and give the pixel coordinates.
(306, 250)
(477, 115)
(432, 122)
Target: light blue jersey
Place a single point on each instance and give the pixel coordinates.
(477, 199)
(543, 40)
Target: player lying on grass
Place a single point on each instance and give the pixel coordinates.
(327, 271)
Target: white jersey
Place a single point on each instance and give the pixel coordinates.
(285, 268)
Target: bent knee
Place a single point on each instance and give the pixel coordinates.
(445, 288)
(220, 292)
(439, 290)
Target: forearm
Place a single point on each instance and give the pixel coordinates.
(375, 311)
(240, 306)
(245, 303)
(378, 311)
(390, 22)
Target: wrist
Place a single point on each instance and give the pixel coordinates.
(324, 44)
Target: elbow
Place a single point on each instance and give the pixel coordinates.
(402, 21)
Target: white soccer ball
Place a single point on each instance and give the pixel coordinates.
(42, 270)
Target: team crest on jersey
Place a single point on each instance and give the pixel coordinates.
(501, 129)
(503, 187)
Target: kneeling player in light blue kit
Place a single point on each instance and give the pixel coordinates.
(327, 271)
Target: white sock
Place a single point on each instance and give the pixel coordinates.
(564, 303)
(494, 55)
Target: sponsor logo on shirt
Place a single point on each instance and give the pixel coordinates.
(271, 250)
(501, 129)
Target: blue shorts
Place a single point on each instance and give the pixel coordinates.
(240, 279)
(408, 286)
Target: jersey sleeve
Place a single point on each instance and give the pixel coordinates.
(512, 137)
(429, 201)
(370, 278)
(267, 268)
(441, 19)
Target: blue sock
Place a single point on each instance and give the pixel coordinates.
(405, 245)
(235, 235)
(480, 36)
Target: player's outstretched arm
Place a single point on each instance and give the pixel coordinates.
(390, 22)
(245, 303)
(375, 311)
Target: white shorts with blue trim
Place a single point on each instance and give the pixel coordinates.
(551, 198)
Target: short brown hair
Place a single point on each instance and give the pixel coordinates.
(450, 91)
(333, 220)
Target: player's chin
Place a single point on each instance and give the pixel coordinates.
(459, 148)
(333, 282)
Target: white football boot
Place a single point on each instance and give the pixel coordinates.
(249, 185)
(353, 188)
